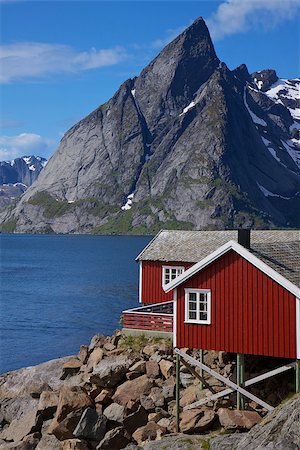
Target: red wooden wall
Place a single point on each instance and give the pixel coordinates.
(250, 313)
(152, 291)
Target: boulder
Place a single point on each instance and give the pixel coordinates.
(92, 426)
(19, 428)
(149, 432)
(135, 420)
(72, 399)
(114, 439)
(94, 359)
(150, 349)
(196, 420)
(74, 444)
(110, 371)
(48, 442)
(132, 390)
(38, 389)
(104, 397)
(241, 420)
(186, 379)
(152, 369)
(168, 389)
(139, 366)
(64, 429)
(156, 394)
(108, 346)
(147, 403)
(29, 443)
(166, 367)
(48, 404)
(157, 415)
(83, 354)
(97, 341)
(70, 368)
(189, 395)
(115, 412)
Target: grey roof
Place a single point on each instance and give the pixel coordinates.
(280, 249)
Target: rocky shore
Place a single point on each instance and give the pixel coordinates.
(119, 392)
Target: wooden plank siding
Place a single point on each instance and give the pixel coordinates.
(250, 313)
(152, 291)
(147, 321)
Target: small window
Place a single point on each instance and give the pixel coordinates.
(169, 273)
(197, 306)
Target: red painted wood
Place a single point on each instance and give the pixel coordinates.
(251, 313)
(152, 291)
(154, 322)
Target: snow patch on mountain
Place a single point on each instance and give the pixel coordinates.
(268, 193)
(287, 92)
(292, 151)
(257, 120)
(128, 203)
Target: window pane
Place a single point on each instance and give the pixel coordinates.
(203, 316)
(179, 271)
(192, 297)
(192, 315)
(202, 297)
(203, 306)
(192, 306)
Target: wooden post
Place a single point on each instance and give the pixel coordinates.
(177, 390)
(297, 375)
(201, 370)
(240, 379)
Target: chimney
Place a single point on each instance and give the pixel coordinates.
(244, 238)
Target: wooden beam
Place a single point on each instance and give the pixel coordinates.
(193, 371)
(240, 379)
(177, 390)
(224, 380)
(250, 382)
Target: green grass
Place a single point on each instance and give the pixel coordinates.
(52, 207)
(9, 226)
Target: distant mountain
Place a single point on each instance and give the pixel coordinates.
(17, 175)
(186, 144)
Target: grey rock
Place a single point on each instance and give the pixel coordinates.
(110, 371)
(135, 420)
(115, 412)
(178, 442)
(200, 164)
(92, 426)
(226, 442)
(114, 439)
(48, 442)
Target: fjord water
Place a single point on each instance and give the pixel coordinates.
(58, 291)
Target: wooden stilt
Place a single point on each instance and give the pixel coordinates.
(297, 375)
(201, 370)
(240, 379)
(177, 390)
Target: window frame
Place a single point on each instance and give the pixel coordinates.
(187, 293)
(182, 268)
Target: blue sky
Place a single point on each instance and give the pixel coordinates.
(61, 59)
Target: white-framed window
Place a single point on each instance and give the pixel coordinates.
(170, 272)
(198, 306)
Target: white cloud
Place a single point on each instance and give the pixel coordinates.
(238, 16)
(34, 59)
(23, 144)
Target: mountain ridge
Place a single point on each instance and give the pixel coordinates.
(186, 144)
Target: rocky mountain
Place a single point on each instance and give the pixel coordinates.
(17, 175)
(186, 144)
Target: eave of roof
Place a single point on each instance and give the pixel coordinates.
(232, 245)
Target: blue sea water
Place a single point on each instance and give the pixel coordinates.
(58, 291)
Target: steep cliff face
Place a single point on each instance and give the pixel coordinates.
(187, 144)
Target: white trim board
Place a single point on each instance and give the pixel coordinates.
(242, 251)
(140, 281)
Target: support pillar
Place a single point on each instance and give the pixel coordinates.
(297, 369)
(177, 390)
(201, 370)
(240, 371)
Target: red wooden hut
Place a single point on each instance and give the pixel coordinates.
(216, 290)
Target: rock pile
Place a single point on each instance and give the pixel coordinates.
(117, 392)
